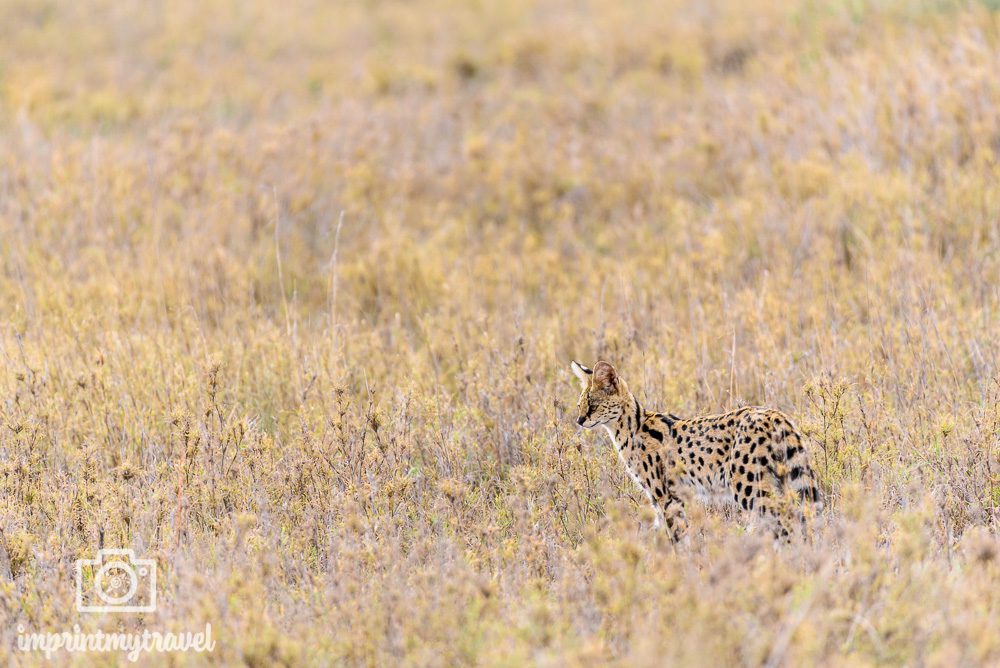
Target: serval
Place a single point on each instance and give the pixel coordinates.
(751, 457)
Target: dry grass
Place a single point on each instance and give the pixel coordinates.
(354, 443)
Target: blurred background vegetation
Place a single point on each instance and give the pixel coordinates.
(288, 292)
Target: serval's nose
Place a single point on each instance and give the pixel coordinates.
(580, 420)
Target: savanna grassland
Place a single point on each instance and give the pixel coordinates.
(288, 294)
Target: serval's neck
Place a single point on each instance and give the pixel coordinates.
(623, 430)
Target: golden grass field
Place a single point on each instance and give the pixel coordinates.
(288, 294)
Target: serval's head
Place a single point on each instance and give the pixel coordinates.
(605, 396)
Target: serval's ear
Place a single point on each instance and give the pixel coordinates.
(605, 376)
(581, 372)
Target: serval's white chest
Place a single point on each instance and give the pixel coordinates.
(629, 454)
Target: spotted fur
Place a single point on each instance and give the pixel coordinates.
(751, 457)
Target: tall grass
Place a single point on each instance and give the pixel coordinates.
(288, 293)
